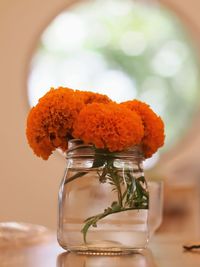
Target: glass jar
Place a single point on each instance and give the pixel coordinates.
(103, 201)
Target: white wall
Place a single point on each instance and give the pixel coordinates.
(28, 185)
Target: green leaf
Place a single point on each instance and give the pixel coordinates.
(99, 161)
(141, 178)
(115, 206)
(75, 176)
(85, 229)
(139, 189)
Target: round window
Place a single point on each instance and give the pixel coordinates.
(125, 50)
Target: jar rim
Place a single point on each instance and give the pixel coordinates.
(77, 148)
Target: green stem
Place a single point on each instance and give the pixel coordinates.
(116, 179)
(92, 221)
(120, 198)
(75, 176)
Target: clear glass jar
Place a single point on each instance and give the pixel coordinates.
(103, 201)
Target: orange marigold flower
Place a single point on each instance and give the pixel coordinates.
(153, 126)
(90, 97)
(50, 122)
(108, 126)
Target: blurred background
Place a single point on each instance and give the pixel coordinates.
(126, 49)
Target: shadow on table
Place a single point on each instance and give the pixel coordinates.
(142, 259)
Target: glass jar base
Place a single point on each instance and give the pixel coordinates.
(104, 242)
(101, 250)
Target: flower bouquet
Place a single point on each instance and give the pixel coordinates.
(103, 195)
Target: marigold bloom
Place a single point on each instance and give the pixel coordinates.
(153, 126)
(108, 126)
(90, 97)
(50, 122)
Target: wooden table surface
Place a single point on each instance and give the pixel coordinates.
(165, 250)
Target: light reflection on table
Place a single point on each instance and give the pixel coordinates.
(142, 259)
(164, 251)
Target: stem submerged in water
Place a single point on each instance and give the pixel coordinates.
(134, 197)
(92, 221)
(131, 192)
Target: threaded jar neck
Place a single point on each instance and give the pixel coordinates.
(77, 148)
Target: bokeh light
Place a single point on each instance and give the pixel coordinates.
(126, 50)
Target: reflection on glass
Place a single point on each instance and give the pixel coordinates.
(143, 259)
(155, 205)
